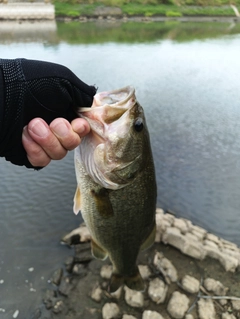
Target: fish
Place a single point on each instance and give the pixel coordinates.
(116, 184)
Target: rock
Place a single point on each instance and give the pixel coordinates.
(178, 305)
(128, 317)
(65, 286)
(169, 217)
(80, 234)
(110, 311)
(215, 286)
(229, 263)
(58, 307)
(144, 271)
(193, 249)
(83, 253)
(165, 267)
(231, 252)
(227, 315)
(213, 238)
(96, 293)
(49, 298)
(69, 264)
(37, 314)
(134, 298)
(210, 243)
(117, 294)
(190, 284)
(57, 276)
(79, 270)
(148, 314)
(206, 309)
(181, 225)
(157, 290)
(189, 316)
(235, 304)
(106, 271)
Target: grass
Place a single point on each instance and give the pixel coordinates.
(171, 8)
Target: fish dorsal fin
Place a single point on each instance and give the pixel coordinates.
(150, 240)
(97, 251)
(77, 201)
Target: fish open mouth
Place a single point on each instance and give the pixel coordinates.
(107, 108)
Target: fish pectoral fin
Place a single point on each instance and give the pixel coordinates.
(97, 251)
(150, 240)
(134, 282)
(103, 203)
(77, 201)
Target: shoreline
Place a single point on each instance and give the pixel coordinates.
(188, 272)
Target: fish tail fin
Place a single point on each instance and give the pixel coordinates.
(134, 282)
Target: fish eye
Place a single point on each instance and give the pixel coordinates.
(138, 124)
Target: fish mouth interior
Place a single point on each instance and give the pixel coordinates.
(107, 108)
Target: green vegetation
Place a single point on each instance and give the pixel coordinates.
(131, 32)
(148, 8)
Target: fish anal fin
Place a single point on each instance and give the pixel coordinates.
(134, 282)
(97, 251)
(77, 201)
(103, 203)
(150, 240)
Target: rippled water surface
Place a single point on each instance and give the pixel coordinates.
(187, 78)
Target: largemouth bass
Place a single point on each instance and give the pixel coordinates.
(116, 189)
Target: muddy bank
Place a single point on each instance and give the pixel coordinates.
(177, 285)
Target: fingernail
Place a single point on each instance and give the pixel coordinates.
(39, 129)
(60, 129)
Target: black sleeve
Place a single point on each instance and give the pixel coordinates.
(30, 89)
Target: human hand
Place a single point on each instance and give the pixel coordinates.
(35, 89)
(44, 142)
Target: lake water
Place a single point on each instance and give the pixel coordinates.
(187, 78)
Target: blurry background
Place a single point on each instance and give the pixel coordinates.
(186, 77)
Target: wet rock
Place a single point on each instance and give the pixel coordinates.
(69, 264)
(206, 309)
(57, 276)
(66, 286)
(227, 315)
(178, 305)
(49, 298)
(215, 286)
(144, 271)
(235, 304)
(58, 307)
(157, 290)
(190, 284)
(83, 253)
(134, 298)
(128, 317)
(79, 270)
(165, 267)
(106, 271)
(111, 311)
(148, 314)
(96, 293)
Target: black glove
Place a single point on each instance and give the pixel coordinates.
(30, 89)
